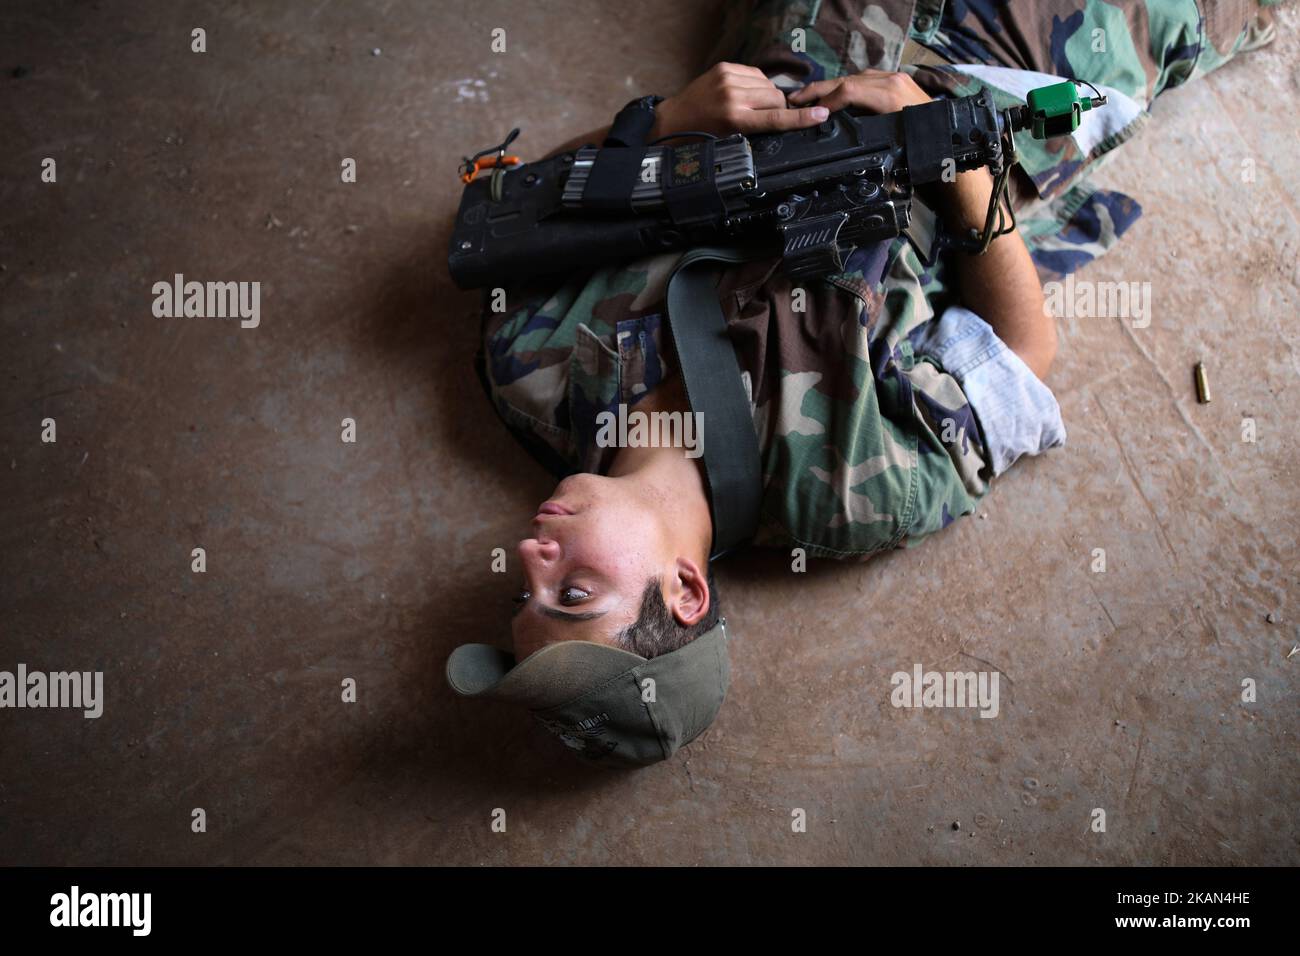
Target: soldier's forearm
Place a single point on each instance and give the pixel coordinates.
(1001, 285)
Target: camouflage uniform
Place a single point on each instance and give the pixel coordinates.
(1135, 50)
(868, 441)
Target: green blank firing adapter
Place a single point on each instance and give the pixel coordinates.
(1055, 110)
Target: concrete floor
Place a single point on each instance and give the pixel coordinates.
(328, 560)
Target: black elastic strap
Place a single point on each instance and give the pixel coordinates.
(617, 166)
(612, 178)
(711, 374)
(927, 137)
(632, 125)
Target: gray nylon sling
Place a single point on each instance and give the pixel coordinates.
(711, 374)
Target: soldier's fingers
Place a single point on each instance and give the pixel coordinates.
(840, 97)
(759, 98)
(814, 90)
(878, 93)
(749, 83)
(740, 69)
(778, 120)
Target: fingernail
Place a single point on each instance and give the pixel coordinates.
(820, 112)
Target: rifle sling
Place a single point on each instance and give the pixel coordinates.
(711, 374)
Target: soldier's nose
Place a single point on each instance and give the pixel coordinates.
(537, 552)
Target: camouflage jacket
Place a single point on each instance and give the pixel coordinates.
(865, 443)
(868, 442)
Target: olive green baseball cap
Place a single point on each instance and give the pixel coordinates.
(609, 705)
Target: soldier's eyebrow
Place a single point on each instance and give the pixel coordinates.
(570, 616)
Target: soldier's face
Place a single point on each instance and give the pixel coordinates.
(592, 550)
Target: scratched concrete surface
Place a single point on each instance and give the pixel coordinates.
(1122, 690)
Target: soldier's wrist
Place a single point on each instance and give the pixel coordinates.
(634, 123)
(664, 119)
(965, 200)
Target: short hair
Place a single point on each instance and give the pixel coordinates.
(656, 631)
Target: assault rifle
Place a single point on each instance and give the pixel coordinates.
(809, 196)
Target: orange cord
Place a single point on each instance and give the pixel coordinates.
(488, 162)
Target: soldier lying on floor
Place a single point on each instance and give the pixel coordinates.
(886, 398)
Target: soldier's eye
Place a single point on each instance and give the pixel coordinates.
(521, 599)
(573, 595)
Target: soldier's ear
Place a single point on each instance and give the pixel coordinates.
(688, 597)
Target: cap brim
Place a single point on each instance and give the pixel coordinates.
(554, 675)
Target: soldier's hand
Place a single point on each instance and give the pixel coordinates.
(732, 98)
(876, 91)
